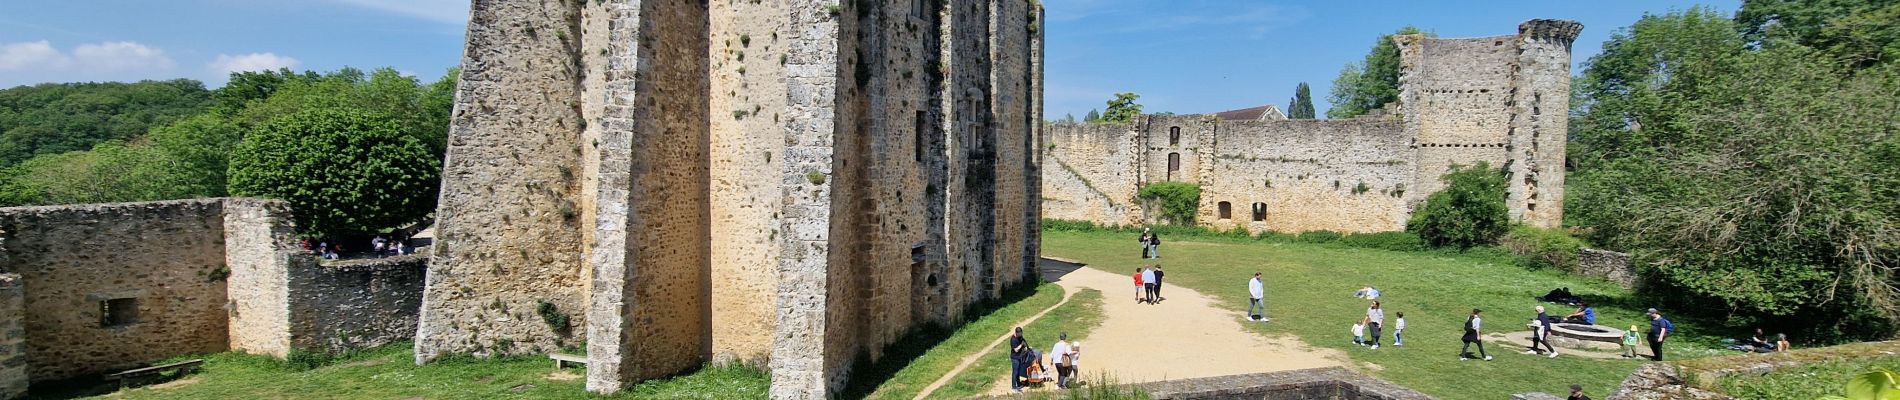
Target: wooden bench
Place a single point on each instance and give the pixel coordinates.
(562, 360)
(126, 378)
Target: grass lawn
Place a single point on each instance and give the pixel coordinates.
(1809, 381)
(1309, 289)
(390, 372)
(1078, 317)
(942, 356)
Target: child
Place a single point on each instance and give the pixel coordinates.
(1358, 334)
(1398, 332)
(1629, 342)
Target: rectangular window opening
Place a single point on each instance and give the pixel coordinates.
(118, 312)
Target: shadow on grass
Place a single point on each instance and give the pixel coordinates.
(866, 376)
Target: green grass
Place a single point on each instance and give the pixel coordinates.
(1309, 290)
(390, 372)
(1804, 382)
(971, 337)
(1078, 317)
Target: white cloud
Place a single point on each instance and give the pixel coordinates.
(120, 56)
(31, 56)
(226, 64)
(446, 11)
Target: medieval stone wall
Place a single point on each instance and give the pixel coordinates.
(748, 100)
(1307, 175)
(161, 263)
(13, 361)
(1461, 102)
(508, 222)
(259, 249)
(352, 305)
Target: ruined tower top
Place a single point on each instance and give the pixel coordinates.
(1557, 30)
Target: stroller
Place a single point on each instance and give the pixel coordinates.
(1035, 373)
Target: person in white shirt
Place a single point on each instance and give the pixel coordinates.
(1375, 317)
(1398, 331)
(1472, 333)
(1258, 291)
(1064, 356)
(1148, 282)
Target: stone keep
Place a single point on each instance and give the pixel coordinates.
(798, 183)
(1503, 100)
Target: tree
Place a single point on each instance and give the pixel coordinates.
(1068, 118)
(56, 118)
(1749, 177)
(1859, 33)
(1092, 117)
(1469, 212)
(201, 147)
(110, 172)
(1122, 109)
(1370, 84)
(1301, 107)
(343, 170)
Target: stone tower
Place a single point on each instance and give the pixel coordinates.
(794, 184)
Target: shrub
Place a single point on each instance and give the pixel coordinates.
(1069, 225)
(556, 320)
(1179, 200)
(343, 170)
(1542, 248)
(1469, 212)
(1394, 241)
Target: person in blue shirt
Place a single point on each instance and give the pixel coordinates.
(1585, 314)
(1659, 330)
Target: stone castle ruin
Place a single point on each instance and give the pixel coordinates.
(664, 183)
(1503, 100)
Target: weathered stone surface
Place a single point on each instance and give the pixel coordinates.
(1461, 101)
(1317, 383)
(334, 308)
(13, 361)
(1609, 265)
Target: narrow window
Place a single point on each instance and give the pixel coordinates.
(118, 312)
(922, 126)
(1174, 164)
(1226, 210)
(1174, 136)
(1259, 212)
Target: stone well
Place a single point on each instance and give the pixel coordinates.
(1582, 336)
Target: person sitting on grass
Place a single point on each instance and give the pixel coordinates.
(1781, 343)
(1585, 315)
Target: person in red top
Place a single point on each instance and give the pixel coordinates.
(1139, 289)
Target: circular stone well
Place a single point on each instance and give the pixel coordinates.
(1596, 333)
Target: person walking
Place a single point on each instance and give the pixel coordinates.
(1159, 279)
(1659, 330)
(1018, 360)
(1629, 342)
(1063, 355)
(1139, 288)
(1473, 334)
(1257, 292)
(1540, 333)
(1148, 285)
(1375, 317)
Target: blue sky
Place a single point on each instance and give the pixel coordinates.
(1184, 56)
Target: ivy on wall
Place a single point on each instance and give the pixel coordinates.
(1179, 200)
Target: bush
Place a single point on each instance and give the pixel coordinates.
(1319, 237)
(343, 170)
(1469, 212)
(1394, 241)
(1069, 225)
(1542, 248)
(1179, 201)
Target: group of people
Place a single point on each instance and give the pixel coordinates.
(1150, 244)
(381, 247)
(1148, 284)
(1027, 366)
(1374, 321)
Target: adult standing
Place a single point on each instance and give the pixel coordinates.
(1148, 282)
(1018, 360)
(1146, 250)
(1139, 288)
(1159, 277)
(1257, 291)
(1154, 245)
(1659, 330)
(1063, 355)
(1540, 333)
(1472, 335)
(1375, 317)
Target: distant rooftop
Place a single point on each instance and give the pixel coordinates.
(1261, 113)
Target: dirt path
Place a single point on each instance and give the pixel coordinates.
(971, 359)
(1185, 336)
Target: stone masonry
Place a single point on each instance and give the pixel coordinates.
(794, 184)
(1461, 101)
(99, 288)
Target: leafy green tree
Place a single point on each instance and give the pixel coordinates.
(110, 172)
(1858, 33)
(343, 170)
(1092, 117)
(1469, 212)
(56, 118)
(200, 147)
(1122, 109)
(1301, 107)
(1370, 84)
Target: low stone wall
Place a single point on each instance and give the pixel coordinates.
(13, 381)
(1696, 379)
(354, 304)
(1609, 265)
(1315, 383)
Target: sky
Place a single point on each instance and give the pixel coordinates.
(1182, 56)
